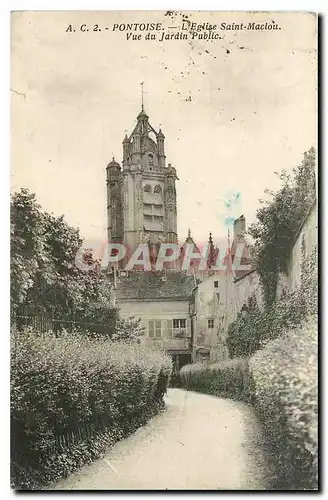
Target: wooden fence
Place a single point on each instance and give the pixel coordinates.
(44, 322)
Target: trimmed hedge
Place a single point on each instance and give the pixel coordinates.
(285, 388)
(281, 382)
(228, 379)
(72, 397)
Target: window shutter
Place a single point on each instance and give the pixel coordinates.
(169, 328)
(158, 328)
(151, 328)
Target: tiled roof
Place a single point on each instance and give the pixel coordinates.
(155, 285)
(245, 260)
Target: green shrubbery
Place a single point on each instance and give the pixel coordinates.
(52, 277)
(280, 380)
(278, 221)
(226, 379)
(72, 396)
(284, 385)
(254, 327)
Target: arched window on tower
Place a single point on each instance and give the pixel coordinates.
(158, 191)
(147, 188)
(150, 159)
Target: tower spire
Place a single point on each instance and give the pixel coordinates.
(142, 96)
(211, 252)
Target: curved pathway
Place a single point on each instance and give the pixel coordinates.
(199, 442)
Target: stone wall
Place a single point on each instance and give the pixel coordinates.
(207, 308)
(225, 301)
(220, 297)
(308, 238)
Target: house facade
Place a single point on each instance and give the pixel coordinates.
(221, 294)
(164, 301)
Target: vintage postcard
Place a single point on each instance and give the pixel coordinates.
(164, 250)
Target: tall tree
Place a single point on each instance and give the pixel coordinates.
(43, 268)
(279, 219)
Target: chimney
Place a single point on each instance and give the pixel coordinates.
(239, 228)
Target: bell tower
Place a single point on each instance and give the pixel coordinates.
(144, 205)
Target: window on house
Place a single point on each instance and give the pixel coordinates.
(179, 328)
(210, 323)
(179, 323)
(216, 284)
(155, 328)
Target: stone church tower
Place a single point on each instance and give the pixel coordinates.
(141, 196)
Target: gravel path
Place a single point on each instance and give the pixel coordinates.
(199, 442)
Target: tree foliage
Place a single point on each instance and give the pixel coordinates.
(44, 274)
(278, 221)
(255, 326)
(128, 329)
(244, 334)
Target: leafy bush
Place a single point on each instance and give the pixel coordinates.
(66, 390)
(245, 333)
(128, 330)
(278, 221)
(281, 382)
(284, 385)
(254, 327)
(226, 379)
(45, 277)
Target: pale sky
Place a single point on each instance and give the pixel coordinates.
(233, 110)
